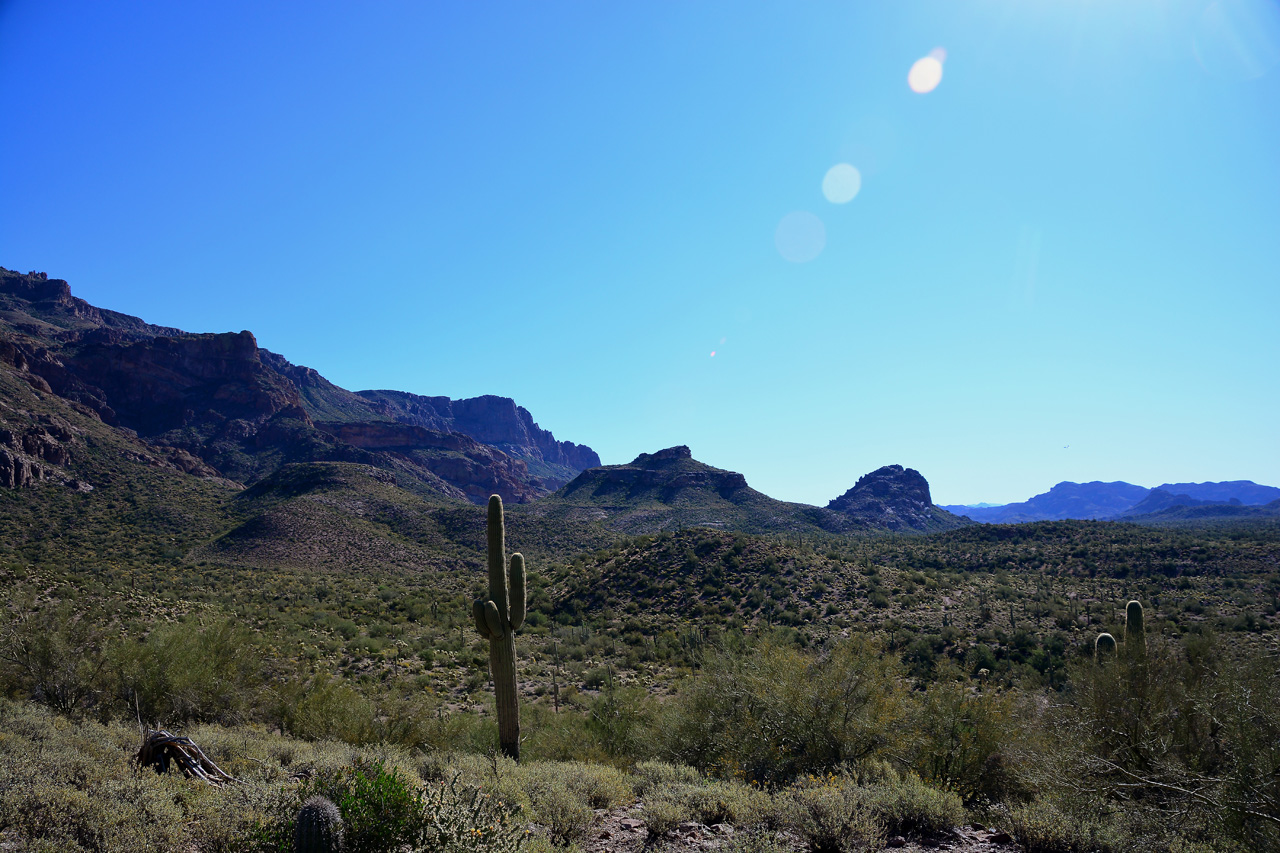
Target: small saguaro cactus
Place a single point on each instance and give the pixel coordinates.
(1135, 635)
(497, 620)
(319, 828)
(1104, 647)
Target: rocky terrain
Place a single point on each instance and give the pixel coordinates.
(894, 498)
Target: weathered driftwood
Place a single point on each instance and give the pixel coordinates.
(161, 748)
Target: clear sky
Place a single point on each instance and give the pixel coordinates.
(1062, 261)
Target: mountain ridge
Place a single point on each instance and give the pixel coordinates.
(244, 411)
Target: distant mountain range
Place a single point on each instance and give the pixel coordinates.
(1126, 501)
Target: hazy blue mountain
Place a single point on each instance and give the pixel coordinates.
(1245, 491)
(1161, 499)
(1206, 511)
(1065, 500)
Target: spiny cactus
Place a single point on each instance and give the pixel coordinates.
(497, 619)
(1104, 647)
(1135, 635)
(319, 828)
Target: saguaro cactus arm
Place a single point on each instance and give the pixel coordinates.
(477, 613)
(517, 591)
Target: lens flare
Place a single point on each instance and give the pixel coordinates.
(800, 237)
(926, 73)
(841, 183)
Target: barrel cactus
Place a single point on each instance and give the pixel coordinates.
(497, 619)
(1104, 647)
(319, 828)
(1135, 635)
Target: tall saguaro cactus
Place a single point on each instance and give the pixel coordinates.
(497, 619)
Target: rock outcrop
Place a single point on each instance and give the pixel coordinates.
(895, 498)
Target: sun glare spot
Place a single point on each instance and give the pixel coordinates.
(713, 353)
(800, 237)
(926, 73)
(841, 183)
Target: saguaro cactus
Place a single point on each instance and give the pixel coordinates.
(1135, 635)
(497, 619)
(1104, 647)
(319, 828)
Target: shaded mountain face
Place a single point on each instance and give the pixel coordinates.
(496, 421)
(242, 411)
(1160, 499)
(894, 498)
(1064, 501)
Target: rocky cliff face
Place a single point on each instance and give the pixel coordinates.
(479, 470)
(217, 404)
(895, 498)
(496, 421)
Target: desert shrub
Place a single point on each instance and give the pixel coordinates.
(621, 719)
(460, 819)
(757, 841)
(562, 811)
(905, 805)
(600, 786)
(662, 814)
(387, 812)
(330, 710)
(958, 736)
(184, 672)
(651, 775)
(54, 655)
(831, 818)
(774, 713)
(710, 803)
(1041, 827)
(1180, 731)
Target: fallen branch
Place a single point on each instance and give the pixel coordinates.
(161, 748)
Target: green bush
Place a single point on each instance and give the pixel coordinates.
(659, 774)
(905, 805)
(776, 713)
(1041, 827)
(830, 817)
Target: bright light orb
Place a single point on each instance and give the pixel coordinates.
(800, 237)
(841, 183)
(925, 75)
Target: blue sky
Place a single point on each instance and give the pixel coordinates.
(1062, 263)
